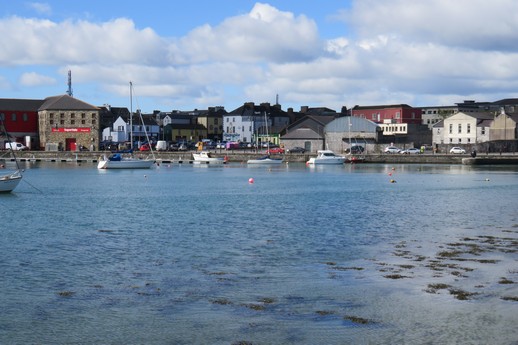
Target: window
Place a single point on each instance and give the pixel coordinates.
(62, 122)
(72, 122)
(51, 122)
(2, 116)
(469, 128)
(451, 128)
(72, 115)
(13, 117)
(62, 115)
(451, 140)
(25, 117)
(469, 140)
(398, 115)
(483, 131)
(83, 115)
(460, 128)
(83, 122)
(460, 140)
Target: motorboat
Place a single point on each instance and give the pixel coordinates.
(9, 181)
(204, 157)
(265, 160)
(326, 157)
(117, 161)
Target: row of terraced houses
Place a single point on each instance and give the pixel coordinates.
(66, 123)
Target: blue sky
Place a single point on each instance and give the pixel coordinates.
(195, 54)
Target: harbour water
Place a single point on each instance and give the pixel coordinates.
(187, 254)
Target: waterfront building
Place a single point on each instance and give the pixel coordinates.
(255, 123)
(67, 123)
(20, 117)
(309, 132)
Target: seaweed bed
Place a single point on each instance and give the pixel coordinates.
(458, 260)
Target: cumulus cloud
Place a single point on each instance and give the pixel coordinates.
(392, 51)
(35, 79)
(264, 34)
(40, 41)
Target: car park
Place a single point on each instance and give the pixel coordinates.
(392, 149)
(457, 150)
(411, 151)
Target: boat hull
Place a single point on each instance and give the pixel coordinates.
(8, 182)
(334, 161)
(205, 159)
(269, 161)
(125, 164)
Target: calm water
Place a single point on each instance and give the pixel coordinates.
(198, 255)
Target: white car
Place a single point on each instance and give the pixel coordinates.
(411, 151)
(392, 149)
(457, 150)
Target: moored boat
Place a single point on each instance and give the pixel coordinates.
(204, 157)
(265, 160)
(326, 157)
(117, 161)
(8, 182)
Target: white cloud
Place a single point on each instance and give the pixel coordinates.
(35, 79)
(40, 7)
(396, 52)
(264, 34)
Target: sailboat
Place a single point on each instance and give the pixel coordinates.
(266, 159)
(117, 160)
(10, 180)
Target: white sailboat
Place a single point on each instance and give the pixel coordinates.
(117, 160)
(10, 180)
(266, 159)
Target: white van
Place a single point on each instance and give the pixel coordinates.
(161, 145)
(15, 146)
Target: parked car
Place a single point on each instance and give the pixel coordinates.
(296, 149)
(392, 149)
(275, 150)
(355, 149)
(221, 145)
(457, 150)
(411, 151)
(145, 147)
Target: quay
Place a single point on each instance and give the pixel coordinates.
(241, 157)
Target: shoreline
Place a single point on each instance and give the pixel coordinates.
(239, 157)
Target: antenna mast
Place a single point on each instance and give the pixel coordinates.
(69, 91)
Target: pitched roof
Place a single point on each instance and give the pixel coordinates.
(65, 102)
(7, 104)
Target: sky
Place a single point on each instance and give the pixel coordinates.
(185, 55)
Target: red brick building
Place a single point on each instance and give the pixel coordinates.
(398, 113)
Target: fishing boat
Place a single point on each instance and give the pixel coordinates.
(10, 180)
(117, 160)
(204, 157)
(326, 157)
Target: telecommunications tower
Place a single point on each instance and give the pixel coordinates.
(69, 91)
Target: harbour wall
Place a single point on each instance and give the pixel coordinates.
(241, 157)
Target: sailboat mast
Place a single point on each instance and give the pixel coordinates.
(131, 115)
